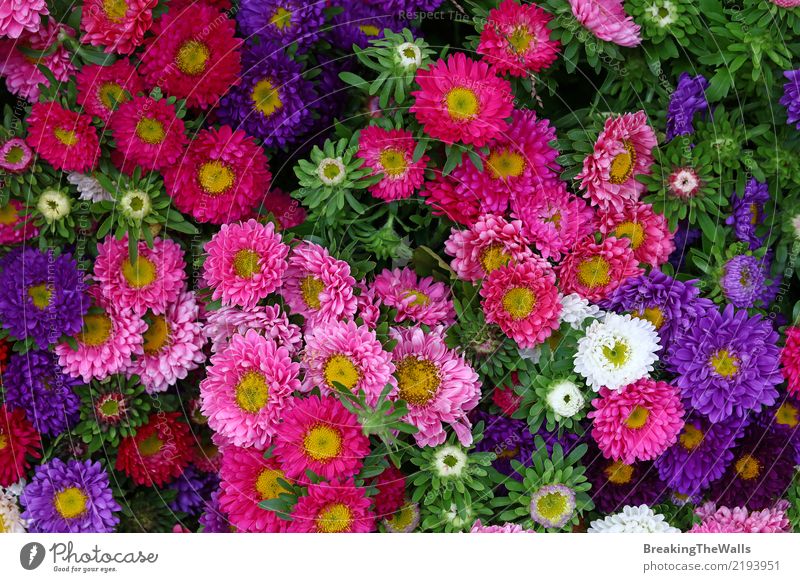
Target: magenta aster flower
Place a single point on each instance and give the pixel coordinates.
(245, 263)
(118, 26)
(17, 16)
(334, 507)
(350, 355)
(739, 520)
(462, 100)
(437, 384)
(284, 209)
(391, 153)
(66, 140)
(152, 282)
(607, 20)
(317, 286)
(594, 270)
(15, 156)
(648, 232)
(369, 304)
(246, 389)
(101, 89)
(221, 324)
(478, 527)
(790, 360)
(420, 300)
(446, 199)
(15, 225)
(320, 434)
(523, 300)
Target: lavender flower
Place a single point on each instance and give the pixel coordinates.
(748, 212)
(791, 97)
(743, 281)
(687, 99)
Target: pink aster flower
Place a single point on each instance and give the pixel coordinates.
(247, 479)
(523, 300)
(285, 209)
(649, 233)
(335, 507)
(391, 495)
(247, 389)
(391, 153)
(516, 39)
(245, 263)
(155, 280)
(221, 178)
(437, 384)
(107, 344)
(462, 100)
(420, 300)
(505, 398)
(369, 305)
(21, 74)
(478, 527)
(492, 242)
(118, 26)
(267, 320)
(594, 270)
(790, 361)
(15, 226)
(638, 422)
(623, 150)
(17, 16)
(350, 355)
(445, 198)
(553, 220)
(102, 89)
(786, 3)
(194, 58)
(320, 434)
(173, 345)
(607, 20)
(147, 134)
(318, 286)
(739, 520)
(66, 140)
(15, 156)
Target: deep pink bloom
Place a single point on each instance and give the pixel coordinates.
(391, 153)
(594, 270)
(21, 73)
(102, 89)
(66, 140)
(118, 26)
(286, 210)
(607, 20)
(335, 507)
(420, 300)
(445, 198)
(17, 16)
(270, 320)
(651, 239)
(15, 156)
(15, 226)
(790, 360)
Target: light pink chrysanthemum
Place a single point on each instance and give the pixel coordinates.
(492, 242)
(173, 345)
(102, 89)
(107, 344)
(350, 355)
(445, 198)
(786, 3)
(268, 320)
(651, 239)
(285, 209)
(15, 156)
(516, 39)
(623, 150)
(14, 226)
(221, 178)
(638, 422)
(21, 73)
(478, 527)
(391, 153)
(152, 282)
(247, 388)
(438, 385)
(369, 305)
(607, 20)
(419, 300)
(594, 270)
(335, 507)
(461, 100)
(118, 26)
(66, 140)
(523, 300)
(247, 479)
(790, 360)
(245, 263)
(17, 16)
(320, 434)
(318, 286)
(739, 520)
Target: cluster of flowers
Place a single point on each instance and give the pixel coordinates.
(453, 320)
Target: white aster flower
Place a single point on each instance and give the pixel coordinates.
(10, 520)
(575, 310)
(135, 204)
(662, 13)
(640, 519)
(409, 55)
(616, 351)
(331, 171)
(533, 354)
(565, 399)
(449, 461)
(54, 205)
(89, 187)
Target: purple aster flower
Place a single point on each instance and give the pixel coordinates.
(34, 382)
(506, 437)
(727, 363)
(743, 281)
(71, 497)
(360, 23)
(748, 212)
(42, 296)
(193, 488)
(615, 484)
(688, 98)
(685, 237)
(271, 100)
(670, 305)
(284, 21)
(552, 506)
(791, 97)
(784, 419)
(702, 454)
(213, 520)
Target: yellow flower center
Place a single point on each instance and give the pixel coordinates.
(622, 165)
(334, 518)
(40, 295)
(252, 392)
(691, 437)
(192, 57)
(652, 314)
(115, 9)
(506, 164)
(3, 441)
(637, 417)
(617, 354)
(322, 443)
(520, 39)
(150, 446)
(393, 162)
(140, 274)
(594, 272)
(754, 213)
(310, 288)
(96, 329)
(370, 29)
(725, 363)
(282, 19)
(619, 473)
(245, 263)
(462, 104)
(748, 467)
(66, 136)
(8, 214)
(633, 230)
(71, 502)
(157, 336)
(150, 130)
(493, 257)
(402, 519)
(420, 298)
(552, 506)
(14, 154)
(266, 98)
(787, 414)
(519, 302)
(267, 483)
(339, 368)
(111, 95)
(417, 380)
(215, 178)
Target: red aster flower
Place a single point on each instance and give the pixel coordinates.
(18, 441)
(66, 140)
(158, 453)
(391, 485)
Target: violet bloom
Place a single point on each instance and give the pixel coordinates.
(791, 97)
(688, 98)
(748, 212)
